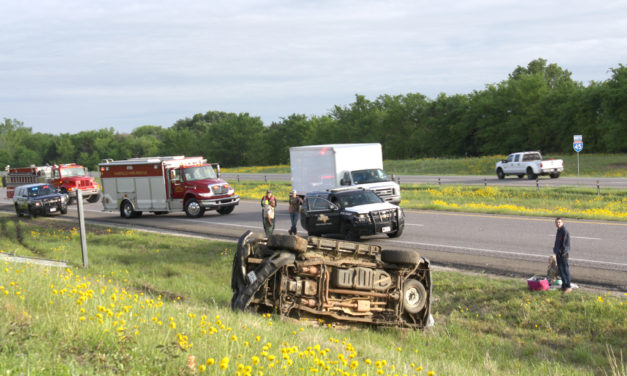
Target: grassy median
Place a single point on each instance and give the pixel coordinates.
(156, 304)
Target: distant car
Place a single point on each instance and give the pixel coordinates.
(39, 199)
(351, 212)
(331, 281)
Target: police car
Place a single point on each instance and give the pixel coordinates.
(39, 199)
(350, 212)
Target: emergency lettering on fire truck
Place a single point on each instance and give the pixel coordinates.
(66, 178)
(164, 184)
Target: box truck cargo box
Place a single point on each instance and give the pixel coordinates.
(326, 167)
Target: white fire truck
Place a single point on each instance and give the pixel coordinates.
(164, 184)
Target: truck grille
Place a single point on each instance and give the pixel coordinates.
(384, 192)
(83, 183)
(220, 189)
(383, 216)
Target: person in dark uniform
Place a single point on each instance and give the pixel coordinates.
(294, 210)
(561, 250)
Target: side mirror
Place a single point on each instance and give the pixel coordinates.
(333, 207)
(217, 167)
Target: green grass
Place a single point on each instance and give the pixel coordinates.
(595, 165)
(148, 302)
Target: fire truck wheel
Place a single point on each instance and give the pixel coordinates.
(126, 210)
(193, 208)
(93, 198)
(226, 210)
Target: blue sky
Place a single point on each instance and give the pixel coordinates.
(68, 66)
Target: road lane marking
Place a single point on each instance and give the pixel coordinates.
(522, 218)
(578, 237)
(503, 252)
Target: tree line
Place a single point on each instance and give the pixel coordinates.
(538, 107)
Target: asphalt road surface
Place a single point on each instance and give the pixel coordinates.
(506, 245)
(492, 180)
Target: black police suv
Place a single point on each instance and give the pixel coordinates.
(39, 199)
(352, 213)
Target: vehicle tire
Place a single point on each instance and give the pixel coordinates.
(396, 233)
(530, 174)
(555, 175)
(18, 211)
(93, 198)
(64, 211)
(520, 176)
(193, 208)
(126, 210)
(287, 242)
(70, 200)
(500, 174)
(414, 296)
(349, 232)
(399, 256)
(226, 209)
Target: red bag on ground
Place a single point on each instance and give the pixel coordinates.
(538, 283)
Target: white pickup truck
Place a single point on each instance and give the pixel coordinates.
(529, 163)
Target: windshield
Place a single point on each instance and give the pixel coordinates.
(369, 176)
(41, 191)
(349, 199)
(72, 172)
(199, 173)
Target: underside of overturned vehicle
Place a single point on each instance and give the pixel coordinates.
(331, 281)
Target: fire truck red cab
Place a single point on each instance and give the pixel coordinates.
(164, 184)
(66, 178)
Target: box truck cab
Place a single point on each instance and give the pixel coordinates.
(164, 184)
(326, 167)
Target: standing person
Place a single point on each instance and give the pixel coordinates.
(561, 250)
(268, 205)
(294, 209)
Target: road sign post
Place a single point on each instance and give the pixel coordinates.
(578, 146)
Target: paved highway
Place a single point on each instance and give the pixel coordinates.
(510, 245)
(492, 180)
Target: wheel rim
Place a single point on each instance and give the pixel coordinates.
(193, 208)
(412, 297)
(128, 210)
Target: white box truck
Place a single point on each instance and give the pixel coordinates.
(325, 167)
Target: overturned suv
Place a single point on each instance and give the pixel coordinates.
(351, 212)
(39, 199)
(331, 281)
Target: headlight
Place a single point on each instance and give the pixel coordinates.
(363, 218)
(37, 203)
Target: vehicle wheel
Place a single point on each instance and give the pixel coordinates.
(530, 174)
(126, 210)
(399, 256)
(520, 176)
(349, 232)
(500, 174)
(555, 175)
(64, 211)
(18, 211)
(287, 242)
(193, 208)
(414, 296)
(397, 233)
(226, 209)
(93, 198)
